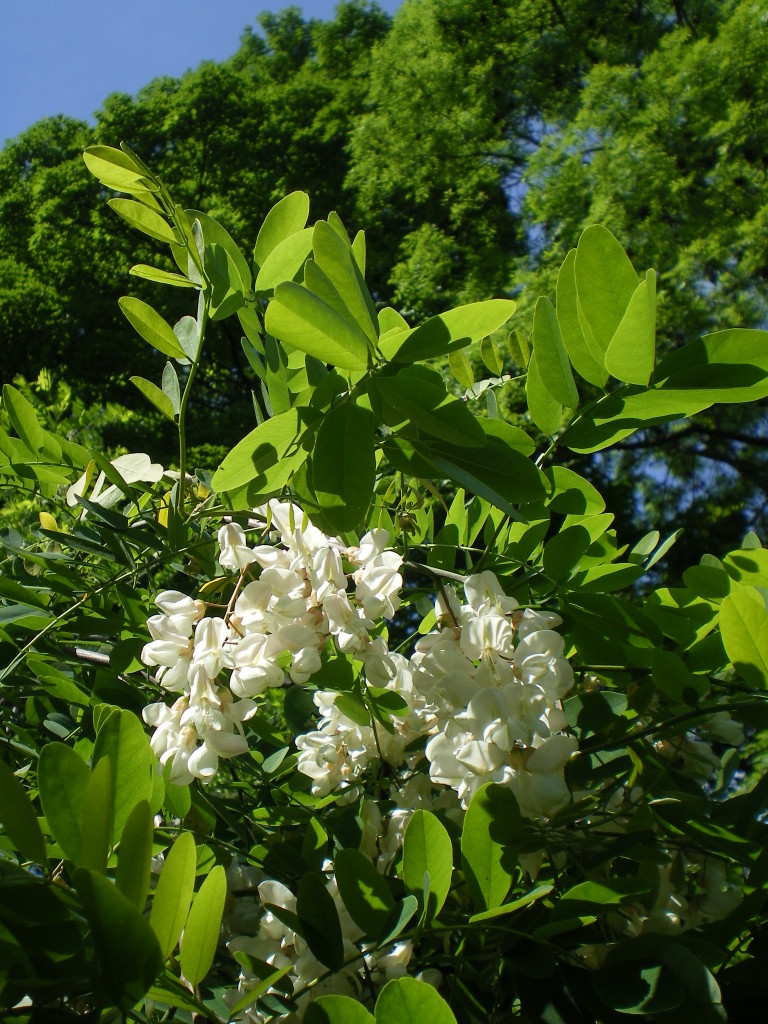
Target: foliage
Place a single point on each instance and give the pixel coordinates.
(430, 755)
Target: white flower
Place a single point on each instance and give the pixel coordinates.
(235, 553)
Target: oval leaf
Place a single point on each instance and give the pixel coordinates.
(408, 1001)
(284, 219)
(551, 358)
(134, 855)
(631, 354)
(155, 396)
(365, 892)
(299, 318)
(201, 933)
(489, 844)
(63, 777)
(122, 739)
(419, 395)
(19, 819)
(265, 446)
(543, 408)
(285, 260)
(126, 948)
(97, 818)
(605, 282)
(320, 920)
(173, 893)
(582, 359)
(141, 217)
(344, 465)
(336, 1010)
(149, 325)
(427, 861)
(744, 628)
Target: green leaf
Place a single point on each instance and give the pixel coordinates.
(148, 273)
(144, 219)
(320, 920)
(155, 396)
(744, 628)
(509, 908)
(187, 331)
(96, 828)
(173, 893)
(333, 255)
(122, 739)
(419, 395)
(631, 354)
(500, 471)
(408, 1001)
(551, 357)
(582, 359)
(286, 218)
(227, 286)
(63, 777)
(427, 861)
(336, 1010)
(134, 855)
(572, 494)
(19, 819)
(171, 386)
(285, 260)
(491, 356)
(461, 368)
(24, 419)
(216, 235)
(299, 318)
(448, 331)
(365, 892)
(489, 843)
(563, 552)
(605, 282)
(126, 949)
(265, 446)
(358, 252)
(629, 409)
(344, 465)
(149, 325)
(545, 411)
(117, 170)
(201, 933)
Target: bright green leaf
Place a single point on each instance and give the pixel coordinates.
(138, 216)
(333, 255)
(285, 260)
(448, 331)
(336, 1010)
(155, 396)
(299, 318)
(489, 842)
(744, 628)
(545, 411)
(122, 739)
(265, 446)
(408, 1001)
(582, 359)
(151, 326)
(286, 218)
(148, 273)
(419, 395)
(605, 282)
(201, 932)
(632, 352)
(551, 357)
(173, 893)
(427, 861)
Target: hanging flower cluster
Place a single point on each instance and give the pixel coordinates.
(483, 689)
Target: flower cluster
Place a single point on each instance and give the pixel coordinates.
(296, 601)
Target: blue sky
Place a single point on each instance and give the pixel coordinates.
(66, 56)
